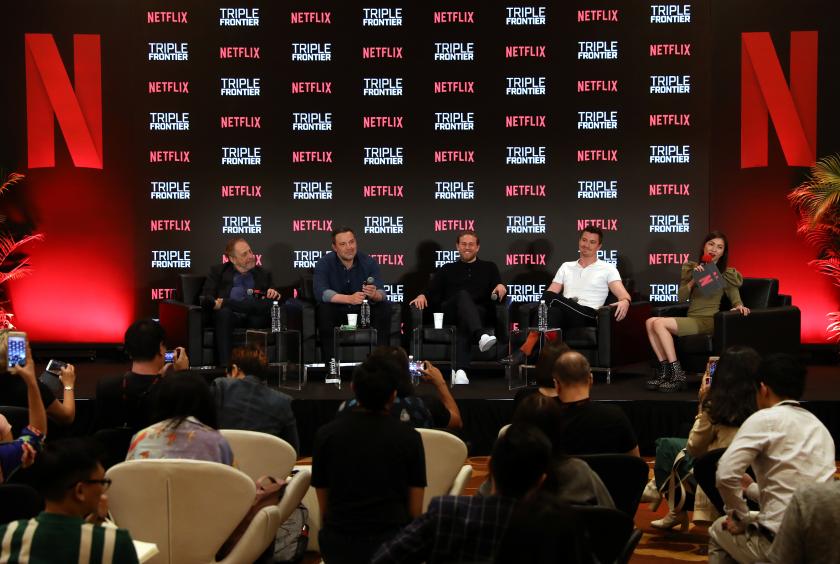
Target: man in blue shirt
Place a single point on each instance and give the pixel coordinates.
(343, 280)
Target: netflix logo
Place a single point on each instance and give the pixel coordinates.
(164, 156)
(604, 155)
(163, 293)
(389, 259)
(382, 122)
(454, 225)
(454, 156)
(241, 191)
(168, 87)
(525, 121)
(669, 189)
(597, 16)
(525, 191)
(605, 224)
(239, 52)
(167, 17)
(380, 52)
(667, 258)
(322, 18)
(309, 87)
(454, 87)
(312, 157)
(382, 191)
(670, 49)
(597, 86)
(663, 120)
(463, 17)
(234, 122)
(312, 225)
(534, 259)
(525, 51)
(169, 225)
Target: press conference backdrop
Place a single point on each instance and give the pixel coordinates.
(408, 121)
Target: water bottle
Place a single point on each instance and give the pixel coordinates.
(365, 313)
(276, 317)
(542, 316)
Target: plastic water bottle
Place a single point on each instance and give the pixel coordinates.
(365, 313)
(542, 316)
(276, 317)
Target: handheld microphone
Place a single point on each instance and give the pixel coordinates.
(253, 292)
(368, 282)
(706, 258)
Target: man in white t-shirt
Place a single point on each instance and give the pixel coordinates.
(579, 288)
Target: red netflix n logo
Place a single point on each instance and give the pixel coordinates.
(49, 93)
(764, 90)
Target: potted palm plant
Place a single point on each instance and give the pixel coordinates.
(817, 200)
(14, 264)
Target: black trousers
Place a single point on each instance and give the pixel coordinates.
(253, 314)
(332, 315)
(343, 548)
(565, 313)
(469, 318)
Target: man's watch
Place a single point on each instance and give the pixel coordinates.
(68, 388)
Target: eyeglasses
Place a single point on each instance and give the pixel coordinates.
(105, 482)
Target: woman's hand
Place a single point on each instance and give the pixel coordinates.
(741, 308)
(699, 268)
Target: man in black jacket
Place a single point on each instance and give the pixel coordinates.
(464, 291)
(240, 295)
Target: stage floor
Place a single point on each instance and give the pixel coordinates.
(486, 404)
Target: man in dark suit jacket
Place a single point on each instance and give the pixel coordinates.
(235, 291)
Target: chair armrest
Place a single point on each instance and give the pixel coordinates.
(257, 537)
(308, 327)
(623, 342)
(184, 326)
(784, 300)
(767, 330)
(503, 321)
(461, 480)
(671, 310)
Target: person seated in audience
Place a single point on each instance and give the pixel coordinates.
(544, 371)
(126, 400)
(468, 529)
(570, 480)
(73, 484)
(22, 451)
(243, 401)
(368, 470)
(787, 447)
(589, 427)
(428, 411)
(185, 425)
(723, 407)
(809, 528)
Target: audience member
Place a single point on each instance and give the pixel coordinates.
(243, 401)
(73, 484)
(544, 371)
(14, 392)
(21, 452)
(807, 534)
(570, 480)
(368, 470)
(428, 411)
(723, 407)
(185, 427)
(589, 427)
(786, 446)
(125, 401)
(468, 529)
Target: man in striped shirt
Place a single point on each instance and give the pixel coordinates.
(72, 481)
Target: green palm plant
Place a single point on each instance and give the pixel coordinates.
(817, 201)
(13, 264)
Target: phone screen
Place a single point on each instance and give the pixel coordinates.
(415, 367)
(169, 356)
(55, 366)
(17, 349)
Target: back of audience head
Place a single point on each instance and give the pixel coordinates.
(375, 382)
(520, 461)
(545, 363)
(545, 414)
(572, 369)
(184, 395)
(144, 340)
(731, 397)
(783, 374)
(399, 358)
(62, 472)
(250, 360)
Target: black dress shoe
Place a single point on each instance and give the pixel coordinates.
(514, 359)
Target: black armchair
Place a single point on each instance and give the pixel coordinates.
(356, 345)
(438, 345)
(773, 325)
(189, 325)
(609, 343)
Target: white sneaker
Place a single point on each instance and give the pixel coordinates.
(461, 377)
(486, 342)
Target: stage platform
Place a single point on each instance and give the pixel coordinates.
(486, 403)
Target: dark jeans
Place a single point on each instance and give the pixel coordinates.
(252, 314)
(344, 548)
(334, 315)
(705, 468)
(565, 313)
(470, 318)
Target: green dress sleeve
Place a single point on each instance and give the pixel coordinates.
(733, 280)
(685, 277)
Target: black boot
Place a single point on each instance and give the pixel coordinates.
(660, 375)
(677, 381)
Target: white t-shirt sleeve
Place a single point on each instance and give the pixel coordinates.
(562, 272)
(612, 274)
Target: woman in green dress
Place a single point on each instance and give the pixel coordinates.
(669, 375)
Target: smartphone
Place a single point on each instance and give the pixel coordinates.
(16, 352)
(55, 366)
(711, 366)
(169, 357)
(415, 368)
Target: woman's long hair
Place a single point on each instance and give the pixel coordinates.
(731, 397)
(723, 261)
(184, 395)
